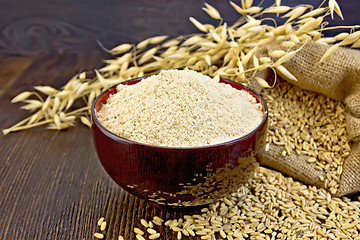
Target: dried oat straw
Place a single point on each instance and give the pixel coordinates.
(226, 50)
(180, 108)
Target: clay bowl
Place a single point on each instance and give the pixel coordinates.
(174, 176)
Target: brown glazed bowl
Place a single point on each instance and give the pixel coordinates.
(174, 176)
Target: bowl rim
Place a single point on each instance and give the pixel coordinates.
(119, 138)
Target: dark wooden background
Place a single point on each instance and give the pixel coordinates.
(52, 185)
(63, 26)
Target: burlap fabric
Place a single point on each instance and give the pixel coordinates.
(339, 78)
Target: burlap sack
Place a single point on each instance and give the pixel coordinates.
(339, 78)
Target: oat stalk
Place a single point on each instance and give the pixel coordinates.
(225, 50)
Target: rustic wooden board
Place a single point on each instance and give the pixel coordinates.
(52, 185)
(31, 27)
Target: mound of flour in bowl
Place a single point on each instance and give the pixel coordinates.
(180, 108)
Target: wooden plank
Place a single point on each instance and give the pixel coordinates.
(52, 185)
(11, 68)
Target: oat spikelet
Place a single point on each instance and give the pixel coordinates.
(213, 12)
(265, 60)
(82, 75)
(356, 44)
(110, 68)
(241, 68)
(207, 60)
(56, 104)
(46, 104)
(255, 61)
(99, 76)
(277, 53)
(253, 10)
(350, 39)
(121, 48)
(309, 26)
(313, 13)
(248, 56)
(192, 40)
(198, 25)
(280, 9)
(285, 73)
(248, 3)
(46, 90)
(209, 45)
(295, 13)
(147, 55)
(85, 121)
(294, 38)
(57, 121)
(21, 97)
(250, 24)
(288, 44)
(326, 40)
(286, 57)
(243, 4)
(262, 82)
(171, 43)
(124, 58)
(157, 39)
(32, 105)
(215, 36)
(341, 36)
(329, 52)
(81, 88)
(334, 6)
(142, 44)
(238, 8)
(91, 98)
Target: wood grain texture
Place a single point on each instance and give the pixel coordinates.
(59, 26)
(12, 67)
(52, 185)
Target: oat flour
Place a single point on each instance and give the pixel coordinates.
(180, 108)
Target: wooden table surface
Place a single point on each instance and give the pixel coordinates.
(52, 185)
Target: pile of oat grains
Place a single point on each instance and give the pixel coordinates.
(271, 206)
(310, 124)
